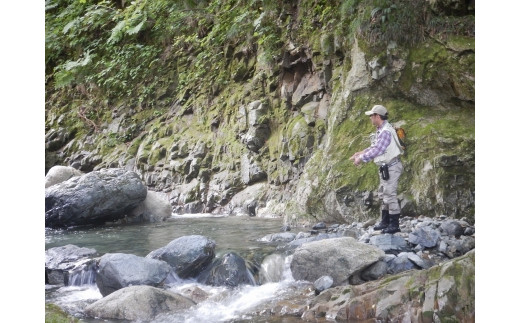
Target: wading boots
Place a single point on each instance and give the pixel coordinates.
(384, 221)
(393, 226)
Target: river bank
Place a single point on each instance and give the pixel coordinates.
(261, 243)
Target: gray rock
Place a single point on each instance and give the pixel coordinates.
(302, 235)
(241, 202)
(56, 138)
(137, 303)
(60, 260)
(308, 86)
(230, 270)
(338, 258)
(250, 171)
(425, 236)
(154, 208)
(256, 136)
(187, 255)
(285, 228)
(469, 231)
(93, 198)
(424, 264)
(58, 174)
(389, 243)
(322, 284)
(309, 112)
(400, 263)
(256, 113)
(358, 77)
(452, 228)
(279, 237)
(452, 247)
(375, 271)
(118, 270)
(319, 226)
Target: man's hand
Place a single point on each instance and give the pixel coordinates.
(353, 157)
(356, 158)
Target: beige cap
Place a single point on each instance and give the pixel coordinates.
(378, 109)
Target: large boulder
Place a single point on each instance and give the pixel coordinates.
(154, 208)
(137, 303)
(229, 270)
(338, 258)
(58, 174)
(60, 261)
(94, 198)
(118, 270)
(187, 255)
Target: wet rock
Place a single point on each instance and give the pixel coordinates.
(322, 284)
(230, 270)
(137, 303)
(118, 270)
(60, 261)
(93, 198)
(187, 255)
(278, 237)
(196, 294)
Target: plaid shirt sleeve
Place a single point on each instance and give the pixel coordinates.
(383, 140)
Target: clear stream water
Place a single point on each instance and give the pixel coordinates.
(237, 234)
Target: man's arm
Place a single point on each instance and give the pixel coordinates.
(378, 148)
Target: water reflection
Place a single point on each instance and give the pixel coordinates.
(237, 234)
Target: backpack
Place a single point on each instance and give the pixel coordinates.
(401, 135)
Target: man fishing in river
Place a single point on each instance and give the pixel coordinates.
(384, 150)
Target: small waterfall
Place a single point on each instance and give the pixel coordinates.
(224, 304)
(83, 273)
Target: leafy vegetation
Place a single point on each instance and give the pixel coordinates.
(148, 53)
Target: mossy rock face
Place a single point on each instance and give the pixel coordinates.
(439, 176)
(196, 85)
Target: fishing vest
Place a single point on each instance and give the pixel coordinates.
(394, 148)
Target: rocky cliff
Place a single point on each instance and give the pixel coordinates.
(251, 107)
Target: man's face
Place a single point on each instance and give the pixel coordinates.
(375, 119)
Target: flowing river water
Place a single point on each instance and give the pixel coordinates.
(238, 234)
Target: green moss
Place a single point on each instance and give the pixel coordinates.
(460, 43)
(54, 314)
